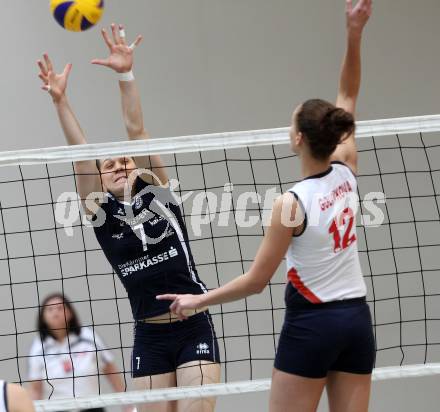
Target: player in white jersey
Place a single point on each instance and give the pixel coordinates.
(323, 261)
(327, 338)
(65, 360)
(14, 398)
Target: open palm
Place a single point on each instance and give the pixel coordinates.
(121, 54)
(53, 82)
(358, 15)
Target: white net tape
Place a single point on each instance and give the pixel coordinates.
(172, 394)
(200, 143)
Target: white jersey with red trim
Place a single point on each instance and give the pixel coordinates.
(322, 262)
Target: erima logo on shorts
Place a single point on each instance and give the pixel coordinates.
(146, 262)
(202, 349)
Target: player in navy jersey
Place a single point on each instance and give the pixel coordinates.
(327, 338)
(139, 225)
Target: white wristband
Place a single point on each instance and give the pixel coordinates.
(126, 77)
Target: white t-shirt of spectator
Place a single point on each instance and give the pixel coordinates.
(71, 366)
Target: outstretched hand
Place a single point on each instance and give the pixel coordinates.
(358, 15)
(121, 54)
(53, 83)
(181, 303)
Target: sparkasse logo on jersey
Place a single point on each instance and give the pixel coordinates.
(145, 261)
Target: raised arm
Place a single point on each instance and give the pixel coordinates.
(350, 80)
(88, 179)
(273, 248)
(121, 61)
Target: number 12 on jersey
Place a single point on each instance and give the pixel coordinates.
(345, 222)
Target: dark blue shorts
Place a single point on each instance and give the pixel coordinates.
(162, 348)
(335, 336)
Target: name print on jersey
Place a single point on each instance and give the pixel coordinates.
(319, 204)
(327, 201)
(145, 261)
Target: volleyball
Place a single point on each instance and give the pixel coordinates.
(77, 15)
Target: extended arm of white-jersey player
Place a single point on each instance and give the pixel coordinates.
(350, 79)
(275, 243)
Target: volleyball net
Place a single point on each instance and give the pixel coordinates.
(226, 184)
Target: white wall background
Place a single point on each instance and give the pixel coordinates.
(216, 65)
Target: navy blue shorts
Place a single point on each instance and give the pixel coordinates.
(162, 348)
(335, 336)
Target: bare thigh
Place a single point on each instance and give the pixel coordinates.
(165, 380)
(195, 374)
(293, 393)
(348, 392)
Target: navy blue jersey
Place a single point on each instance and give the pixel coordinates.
(146, 243)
